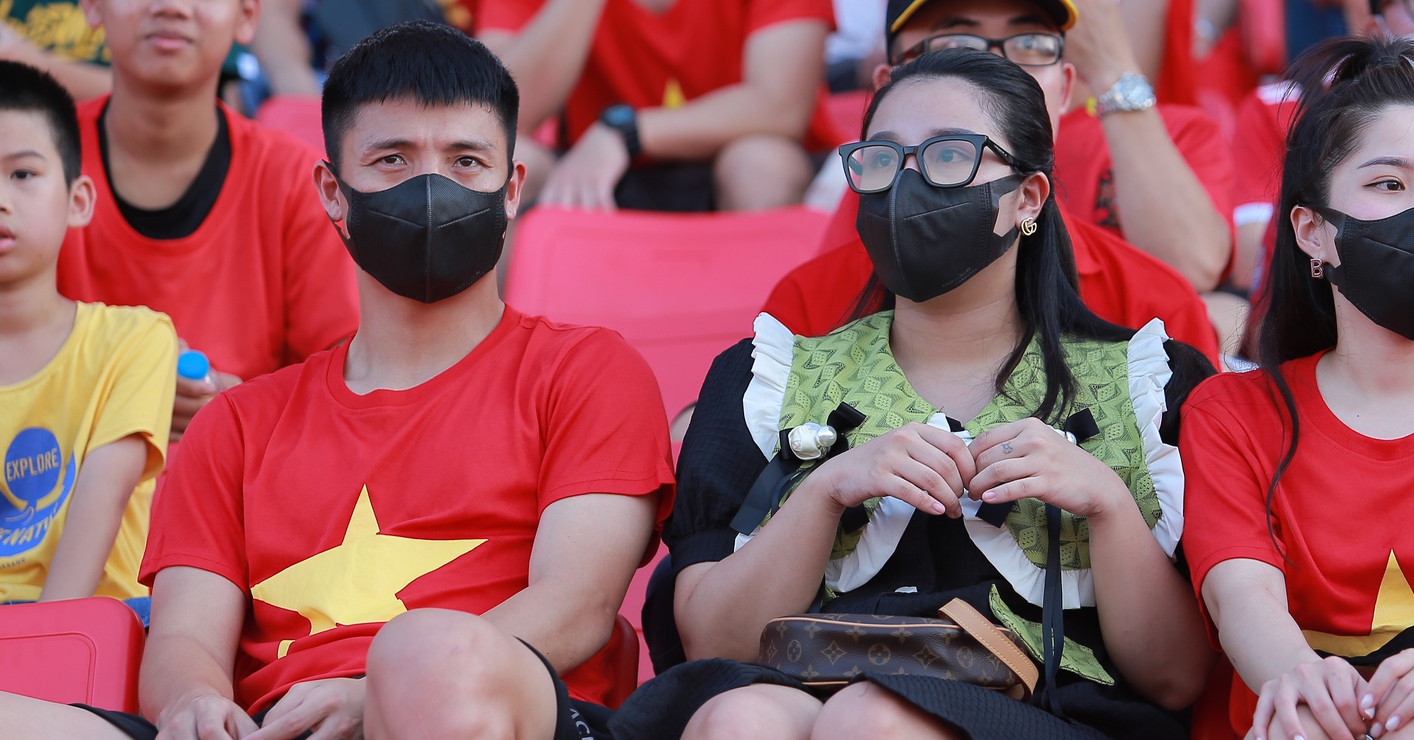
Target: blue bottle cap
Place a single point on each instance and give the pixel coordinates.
(193, 365)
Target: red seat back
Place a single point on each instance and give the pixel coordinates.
(81, 650)
(681, 288)
(297, 115)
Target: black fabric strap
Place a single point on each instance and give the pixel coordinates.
(1052, 614)
(784, 471)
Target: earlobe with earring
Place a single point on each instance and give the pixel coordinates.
(1318, 269)
(1028, 226)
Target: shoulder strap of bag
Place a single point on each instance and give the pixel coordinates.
(984, 632)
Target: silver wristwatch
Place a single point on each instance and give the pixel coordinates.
(1132, 92)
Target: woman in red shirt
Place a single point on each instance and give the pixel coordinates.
(1297, 496)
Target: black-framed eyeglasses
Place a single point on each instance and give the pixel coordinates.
(1025, 49)
(946, 161)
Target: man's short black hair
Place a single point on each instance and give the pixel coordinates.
(26, 89)
(430, 63)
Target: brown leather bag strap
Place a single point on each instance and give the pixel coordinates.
(983, 631)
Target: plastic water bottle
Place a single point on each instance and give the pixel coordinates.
(193, 365)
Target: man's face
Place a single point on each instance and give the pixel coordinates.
(993, 19)
(172, 43)
(398, 140)
(36, 206)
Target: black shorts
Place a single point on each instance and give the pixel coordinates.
(577, 720)
(674, 187)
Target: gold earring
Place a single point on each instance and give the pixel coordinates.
(1318, 269)
(1028, 226)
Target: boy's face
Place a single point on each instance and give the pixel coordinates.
(36, 207)
(398, 140)
(173, 43)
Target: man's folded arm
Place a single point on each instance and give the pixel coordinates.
(586, 550)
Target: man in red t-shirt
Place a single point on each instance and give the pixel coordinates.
(680, 105)
(201, 214)
(415, 534)
(1118, 282)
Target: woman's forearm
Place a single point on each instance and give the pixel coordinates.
(1148, 613)
(722, 609)
(1247, 601)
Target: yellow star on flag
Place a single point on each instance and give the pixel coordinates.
(358, 581)
(1394, 613)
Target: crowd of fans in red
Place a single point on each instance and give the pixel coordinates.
(395, 506)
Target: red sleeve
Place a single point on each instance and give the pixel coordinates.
(1177, 82)
(506, 15)
(197, 518)
(1258, 145)
(606, 431)
(1225, 508)
(788, 304)
(321, 293)
(1200, 142)
(762, 13)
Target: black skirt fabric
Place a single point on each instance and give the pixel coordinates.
(661, 708)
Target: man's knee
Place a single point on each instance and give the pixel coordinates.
(452, 674)
(754, 713)
(865, 710)
(761, 171)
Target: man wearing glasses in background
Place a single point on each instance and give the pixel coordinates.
(1121, 284)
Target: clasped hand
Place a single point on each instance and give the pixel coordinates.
(332, 708)
(932, 469)
(1341, 703)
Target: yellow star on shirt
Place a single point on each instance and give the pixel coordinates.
(358, 581)
(1394, 613)
(673, 96)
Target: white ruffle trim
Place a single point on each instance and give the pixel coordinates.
(1149, 374)
(773, 347)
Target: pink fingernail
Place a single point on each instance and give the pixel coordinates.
(1376, 730)
(938, 508)
(1393, 723)
(1368, 701)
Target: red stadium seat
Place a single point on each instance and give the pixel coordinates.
(1263, 24)
(623, 646)
(297, 115)
(681, 288)
(81, 650)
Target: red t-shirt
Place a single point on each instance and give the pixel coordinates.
(1177, 82)
(337, 512)
(263, 282)
(1085, 173)
(646, 60)
(1259, 142)
(1118, 282)
(1341, 512)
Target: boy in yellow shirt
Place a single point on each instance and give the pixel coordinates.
(85, 389)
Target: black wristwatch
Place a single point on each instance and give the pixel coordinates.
(623, 119)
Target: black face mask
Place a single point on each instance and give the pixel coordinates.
(427, 238)
(925, 241)
(1376, 271)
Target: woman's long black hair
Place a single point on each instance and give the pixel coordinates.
(1345, 84)
(1046, 281)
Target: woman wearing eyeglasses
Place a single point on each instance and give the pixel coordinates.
(972, 384)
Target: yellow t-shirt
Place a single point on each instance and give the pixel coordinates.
(114, 376)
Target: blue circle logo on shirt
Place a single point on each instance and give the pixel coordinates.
(37, 483)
